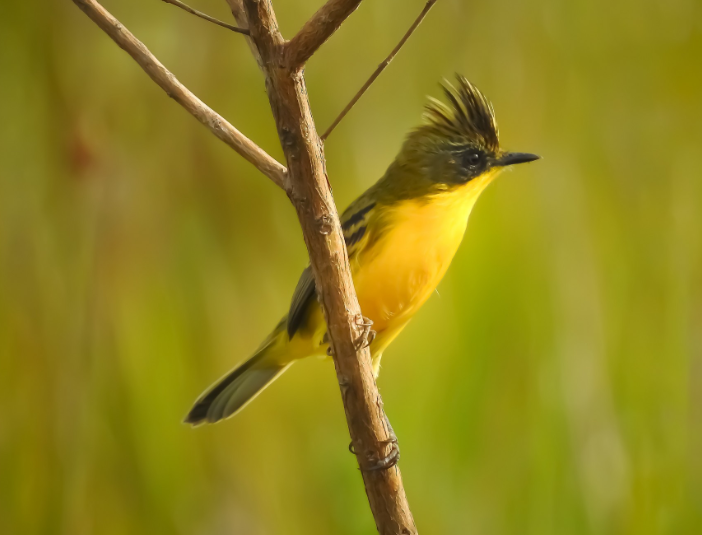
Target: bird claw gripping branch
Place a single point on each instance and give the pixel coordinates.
(390, 460)
(387, 461)
(367, 334)
(393, 457)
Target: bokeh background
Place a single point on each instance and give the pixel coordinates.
(553, 386)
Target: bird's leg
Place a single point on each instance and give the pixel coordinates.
(364, 340)
(367, 334)
(392, 458)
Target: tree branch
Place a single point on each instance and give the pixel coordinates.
(380, 68)
(205, 16)
(311, 196)
(182, 95)
(317, 30)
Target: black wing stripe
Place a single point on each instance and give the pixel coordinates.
(357, 217)
(355, 237)
(304, 294)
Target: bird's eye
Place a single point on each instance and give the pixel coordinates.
(471, 159)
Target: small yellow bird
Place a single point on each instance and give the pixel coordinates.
(401, 236)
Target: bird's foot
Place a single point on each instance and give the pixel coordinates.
(393, 457)
(367, 334)
(389, 460)
(364, 340)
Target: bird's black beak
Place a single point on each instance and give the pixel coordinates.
(511, 158)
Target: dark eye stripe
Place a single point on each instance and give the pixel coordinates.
(357, 217)
(355, 237)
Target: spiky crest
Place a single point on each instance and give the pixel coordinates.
(469, 116)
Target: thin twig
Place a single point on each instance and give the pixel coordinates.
(182, 95)
(380, 68)
(317, 30)
(206, 17)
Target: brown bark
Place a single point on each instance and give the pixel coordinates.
(308, 188)
(317, 30)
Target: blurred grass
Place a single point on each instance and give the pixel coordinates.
(553, 387)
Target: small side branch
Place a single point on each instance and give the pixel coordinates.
(206, 17)
(219, 126)
(317, 30)
(380, 69)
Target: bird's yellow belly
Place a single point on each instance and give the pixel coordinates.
(392, 288)
(399, 273)
(395, 275)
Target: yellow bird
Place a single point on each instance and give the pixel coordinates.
(401, 236)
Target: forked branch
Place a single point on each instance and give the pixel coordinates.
(217, 124)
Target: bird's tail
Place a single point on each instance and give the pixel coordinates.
(233, 391)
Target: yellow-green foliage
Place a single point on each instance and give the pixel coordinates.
(553, 387)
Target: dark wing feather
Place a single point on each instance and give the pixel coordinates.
(302, 297)
(353, 224)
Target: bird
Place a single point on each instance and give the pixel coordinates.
(401, 236)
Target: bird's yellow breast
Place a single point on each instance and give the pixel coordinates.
(395, 276)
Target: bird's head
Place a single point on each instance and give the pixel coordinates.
(459, 141)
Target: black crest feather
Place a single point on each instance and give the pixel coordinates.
(468, 114)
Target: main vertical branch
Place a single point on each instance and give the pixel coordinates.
(310, 194)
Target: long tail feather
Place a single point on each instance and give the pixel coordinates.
(231, 393)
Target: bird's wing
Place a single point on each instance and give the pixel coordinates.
(354, 224)
(302, 297)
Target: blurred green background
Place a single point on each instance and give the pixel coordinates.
(553, 387)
